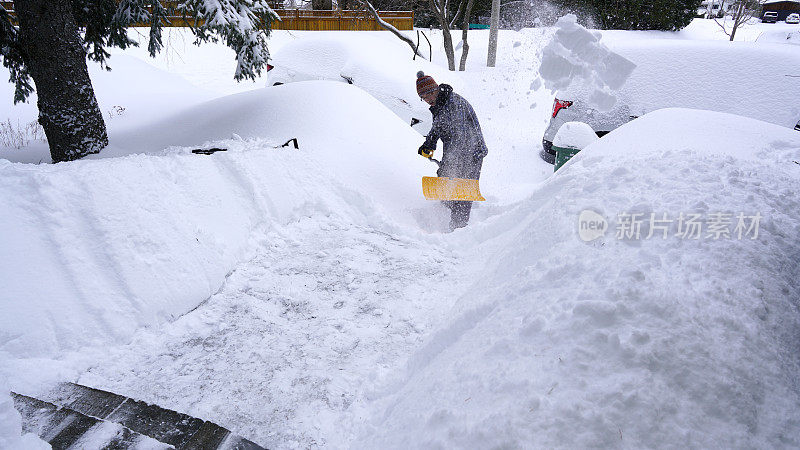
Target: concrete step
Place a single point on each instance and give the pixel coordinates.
(87, 407)
(64, 428)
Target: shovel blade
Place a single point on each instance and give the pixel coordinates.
(443, 188)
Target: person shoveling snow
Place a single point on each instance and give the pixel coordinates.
(455, 123)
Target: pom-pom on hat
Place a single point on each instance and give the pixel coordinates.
(425, 84)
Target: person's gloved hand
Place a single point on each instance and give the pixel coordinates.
(426, 152)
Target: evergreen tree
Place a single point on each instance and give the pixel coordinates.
(667, 15)
(49, 47)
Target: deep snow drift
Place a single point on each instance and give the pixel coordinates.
(634, 342)
(115, 244)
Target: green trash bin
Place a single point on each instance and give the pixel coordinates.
(571, 138)
(564, 154)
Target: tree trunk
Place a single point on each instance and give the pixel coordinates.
(53, 53)
(439, 8)
(448, 45)
(462, 65)
(464, 30)
(737, 19)
(494, 24)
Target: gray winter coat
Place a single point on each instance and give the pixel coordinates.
(455, 123)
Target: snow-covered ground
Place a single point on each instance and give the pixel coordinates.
(753, 30)
(309, 298)
(630, 340)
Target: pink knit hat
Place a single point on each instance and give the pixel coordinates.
(425, 84)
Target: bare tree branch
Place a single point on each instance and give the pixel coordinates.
(387, 26)
(436, 10)
(459, 12)
(440, 10)
(724, 30)
(743, 10)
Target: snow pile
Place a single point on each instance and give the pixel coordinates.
(574, 135)
(625, 342)
(145, 90)
(94, 249)
(575, 58)
(379, 63)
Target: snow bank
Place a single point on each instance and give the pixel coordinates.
(575, 58)
(129, 96)
(632, 343)
(94, 249)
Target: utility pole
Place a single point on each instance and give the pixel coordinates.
(493, 26)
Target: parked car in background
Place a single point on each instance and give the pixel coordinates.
(770, 17)
(689, 74)
(793, 18)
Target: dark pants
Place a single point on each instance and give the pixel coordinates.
(459, 213)
(459, 210)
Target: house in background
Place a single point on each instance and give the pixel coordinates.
(716, 6)
(782, 7)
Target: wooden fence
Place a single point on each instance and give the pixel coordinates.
(296, 19)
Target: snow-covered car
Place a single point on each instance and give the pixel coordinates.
(689, 74)
(380, 65)
(769, 17)
(793, 18)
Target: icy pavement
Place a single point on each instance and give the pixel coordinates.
(288, 349)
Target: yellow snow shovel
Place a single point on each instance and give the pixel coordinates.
(446, 188)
